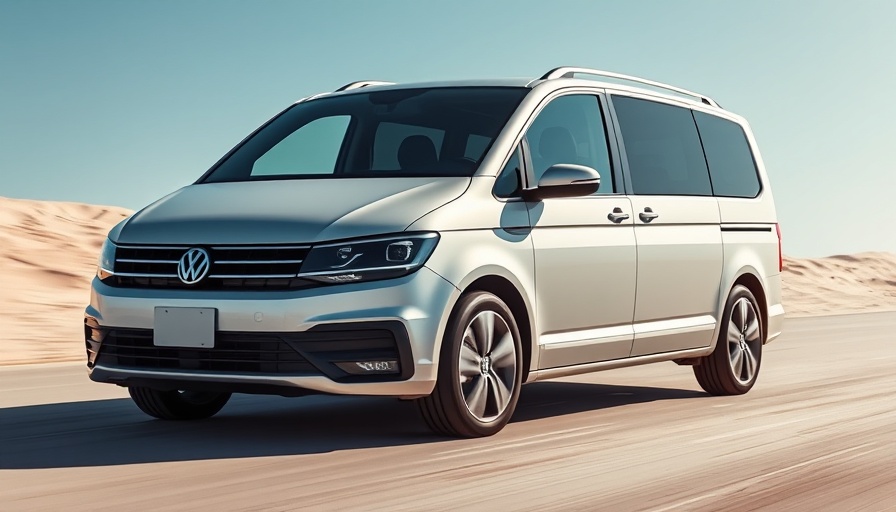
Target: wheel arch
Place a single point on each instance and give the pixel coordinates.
(505, 290)
(754, 284)
(748, 277)
(504, 284)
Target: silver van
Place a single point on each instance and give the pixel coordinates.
(446, 243)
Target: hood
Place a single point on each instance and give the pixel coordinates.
(287, 211)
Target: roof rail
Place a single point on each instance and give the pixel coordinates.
(313, 96)
(362, 83)
(570, 72)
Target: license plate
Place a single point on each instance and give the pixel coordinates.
(184, 327)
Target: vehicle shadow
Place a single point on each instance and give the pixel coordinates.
(113, 432)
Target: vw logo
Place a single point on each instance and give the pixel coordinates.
(193, 266)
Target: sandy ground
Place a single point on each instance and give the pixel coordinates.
(48, 253)
(815, 434)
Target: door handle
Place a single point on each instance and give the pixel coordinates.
(617, 215)
(647, 215)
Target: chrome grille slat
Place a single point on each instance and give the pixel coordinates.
(159, 247)
(251, 276)
(258, 247)
(255, 267)
(130, 260)
(259, 262)
(135, 274)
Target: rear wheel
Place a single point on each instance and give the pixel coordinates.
(733, 366)
(480, 370)
(178, 405)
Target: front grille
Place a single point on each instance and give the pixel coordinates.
(318, 351)
(233, 352)
(232, 267)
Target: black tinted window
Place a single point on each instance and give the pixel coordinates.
(731, 163)
(388, 140)
(508, 183)
(663, 148)
(402, 132)
(476, 146)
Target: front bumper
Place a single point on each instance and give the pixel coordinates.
(414, 305)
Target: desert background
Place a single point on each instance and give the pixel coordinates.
(48, 253)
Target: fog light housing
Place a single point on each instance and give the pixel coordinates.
(383, 367)
(93, 340)
(341, 278)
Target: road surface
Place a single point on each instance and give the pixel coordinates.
(818, 432)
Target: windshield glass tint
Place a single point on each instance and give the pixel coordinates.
(404, 132)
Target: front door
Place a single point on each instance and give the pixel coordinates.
(585, 254)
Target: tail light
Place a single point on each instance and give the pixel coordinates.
(780, 250)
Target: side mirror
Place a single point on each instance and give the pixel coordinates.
(565, 180)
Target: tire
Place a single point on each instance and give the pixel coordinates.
(479, 376)
(734, 365)
(178, 405)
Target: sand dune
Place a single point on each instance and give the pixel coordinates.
(48, 253)
(853, 283)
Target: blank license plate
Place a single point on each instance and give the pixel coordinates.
(184, 327)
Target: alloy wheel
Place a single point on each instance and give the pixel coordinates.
(487, 366)
(744, 341)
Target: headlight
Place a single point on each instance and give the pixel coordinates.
(106, 264)
(365, 260)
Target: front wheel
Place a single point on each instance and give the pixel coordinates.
(733, 366)
(178, 405)
(480, 370)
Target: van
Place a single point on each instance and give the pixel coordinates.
(446, 243)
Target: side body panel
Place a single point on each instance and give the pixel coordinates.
(679, 267)
(749, 239)
(481, 236)
(585, 273)
(752, 249)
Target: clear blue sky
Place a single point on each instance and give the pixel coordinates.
(119, 102)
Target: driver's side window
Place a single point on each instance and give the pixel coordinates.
(570, 130)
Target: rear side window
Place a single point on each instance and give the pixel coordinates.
(663, 148)
(728, 154)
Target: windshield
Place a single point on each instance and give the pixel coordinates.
(404, 132)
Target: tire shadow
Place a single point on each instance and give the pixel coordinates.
(556, 398)
(115, 432)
